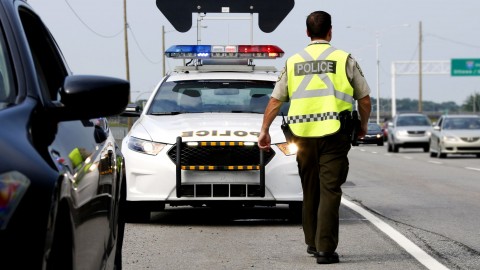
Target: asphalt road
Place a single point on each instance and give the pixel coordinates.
(417, 204)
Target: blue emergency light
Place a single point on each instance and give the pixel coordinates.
(224, 52)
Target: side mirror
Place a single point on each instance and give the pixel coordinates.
(436, 128)
(89, 96)
(132, 110)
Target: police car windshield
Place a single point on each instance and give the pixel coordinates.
(202, 96)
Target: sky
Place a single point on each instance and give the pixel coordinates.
(377, 33)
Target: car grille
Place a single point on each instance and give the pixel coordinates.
(220, 156)
(468, 148)
(470, 139)
(221, 190)
(416, 132)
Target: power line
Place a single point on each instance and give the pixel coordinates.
(88, 27)
(140, 48)
(453, 41)
(114, 35)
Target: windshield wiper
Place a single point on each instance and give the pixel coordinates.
(245, 112)
(165, 113)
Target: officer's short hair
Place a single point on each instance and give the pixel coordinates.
(318, 24)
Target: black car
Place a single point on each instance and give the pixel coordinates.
(61, 173)
(374, 135)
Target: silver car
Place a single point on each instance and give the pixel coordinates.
(409, 130)
(456, 134)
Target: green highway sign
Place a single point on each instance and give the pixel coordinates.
(465, 67)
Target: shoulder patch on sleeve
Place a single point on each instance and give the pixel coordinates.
(359, 69)
(281, 74)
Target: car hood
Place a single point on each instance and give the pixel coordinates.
(204, 127)
(462, 133)
(413, 128)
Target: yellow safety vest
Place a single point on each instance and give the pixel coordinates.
(319, 90)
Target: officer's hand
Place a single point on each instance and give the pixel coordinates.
(264, 141)
(363, 131)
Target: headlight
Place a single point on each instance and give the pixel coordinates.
(144, 146)
(13, 186)
(288, 148)
(449, 139)
(401, 133)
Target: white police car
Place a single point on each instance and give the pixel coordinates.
(195, 142)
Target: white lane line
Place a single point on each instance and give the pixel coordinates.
(421, 256)
(435, 162)
(407, 157)
(472, 168)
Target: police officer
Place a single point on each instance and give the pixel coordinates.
(321, 83)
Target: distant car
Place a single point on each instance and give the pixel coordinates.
(456, 134)
(61, 173)
(374, 135)
(409, 130)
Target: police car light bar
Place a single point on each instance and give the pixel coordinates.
(224, 52)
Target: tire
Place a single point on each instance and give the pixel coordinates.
(295, 212)
(120, 224)
(433, 154)
(442, 155)
(395, 148)
(61, 251)
(389, 147)
(380, 143)
(426, 149)
(135, 214)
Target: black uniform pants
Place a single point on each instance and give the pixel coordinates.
(323, 168)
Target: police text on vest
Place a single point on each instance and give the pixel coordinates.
(315, 67)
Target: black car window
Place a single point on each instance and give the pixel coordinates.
(374, 128)
(7, 89)
(49, 63)
(213, 96)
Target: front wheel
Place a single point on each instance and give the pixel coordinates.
(134, 213)
(295, 209)
(395, 148)
(61, 252)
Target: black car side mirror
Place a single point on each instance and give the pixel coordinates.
(89, 96)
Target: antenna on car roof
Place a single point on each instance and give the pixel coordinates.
(270, 13)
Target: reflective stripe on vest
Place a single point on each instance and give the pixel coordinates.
(319, 89)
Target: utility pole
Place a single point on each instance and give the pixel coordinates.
(420, 67)
(474, 102)
(378, 78)
(125, 34)
(163, 50)
(127, 64)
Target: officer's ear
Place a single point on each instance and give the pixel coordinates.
(329, 34)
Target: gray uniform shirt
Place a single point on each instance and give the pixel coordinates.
(354, 75)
